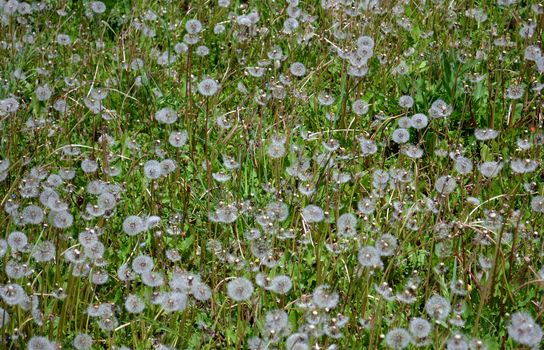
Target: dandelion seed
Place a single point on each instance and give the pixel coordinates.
(15, 270)
(54, 180)
(515, 92)
(166, 116)
(313, 214)
(103, 310)
(297, 341)
(401, 69)
(281, 284)
(17, 241)
(524, 144)
(490, 169)
(202, 51)
(323, 298)
(325, 99)
(4, 164)
(257, 343)
(440, 109)
(477, 344)
(32, 214)
(420, 327)
(201, 291)
(463, 165)
(368, 147)
(240, 289)
(366, 206)
(108, 324)
(44, 251)
(406, 101)
(219, 29)
(457, 321)
(346, 225)
(152, 279)
(89, 166)
(98, 7)
(9, 105)
(290, 25)
(445, 184)
(106, 201)
(297, 69)
(13, 294)
(43, 92)
(485, 134)
(133, 304)
(3, 247)
(276, 150)
(178, 138)
(83, 341)
(61, 219)
(99, 277)
(398, 338)
(369, 256)
(412, 151)
(404, 122)
(456, 342)
(208, 87)
(438, 307)
(193, 26)
(63, 39)
(142, 264)
(400, 136)
(360, 107)
(276, 321)
(386, 244)
(40, 343)
(537, 204)
(523, 166)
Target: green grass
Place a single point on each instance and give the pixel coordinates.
(493, 246)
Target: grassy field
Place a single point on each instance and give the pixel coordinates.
(271, 174)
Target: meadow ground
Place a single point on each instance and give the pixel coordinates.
(272, 174)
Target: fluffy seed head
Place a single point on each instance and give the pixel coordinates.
(240, 289)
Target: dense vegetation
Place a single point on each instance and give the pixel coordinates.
(342, 174)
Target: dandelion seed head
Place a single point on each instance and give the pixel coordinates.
(166, 116)
(281, 284)
(98, 7)
(297, 69)
(485, 134)
(406, 101)
(437, 307)
(40, 343)
(83, 341)
(134, 304)
(420, 327)
(178, 138)
(324, 298)
(398, 338)
(17, 241)
(400, 136)
(142, 264)
(201, 291)
(240, 289)
(208, 87)
(457, 342)
(537, 204)
(346, 225)
(490, 169)
(369, 256)
(313, 214)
